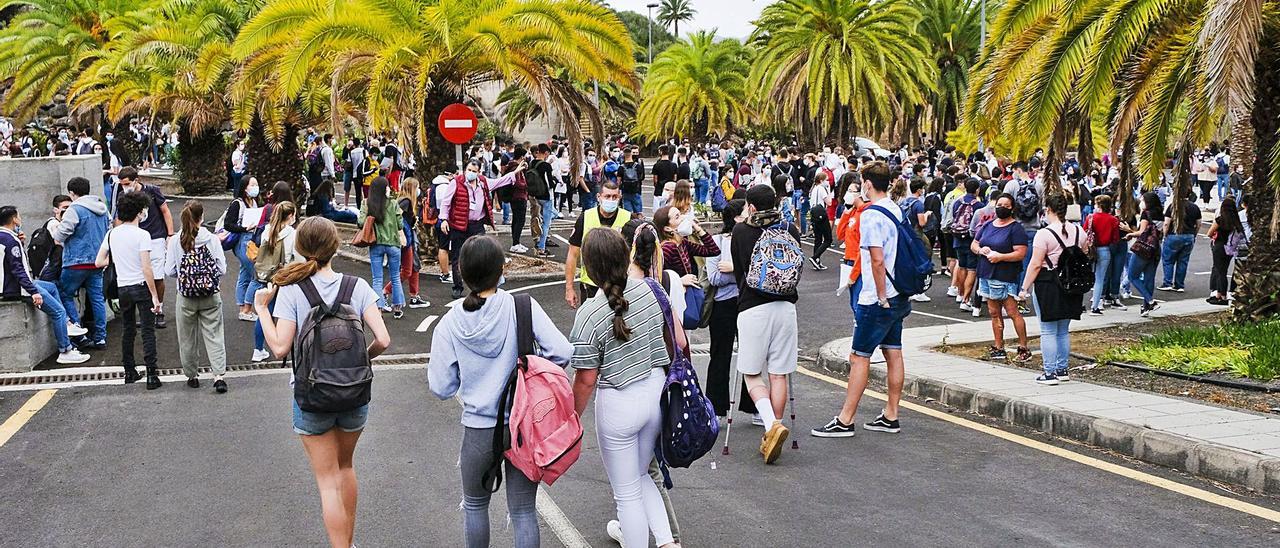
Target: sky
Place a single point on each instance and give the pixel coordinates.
(732, 17)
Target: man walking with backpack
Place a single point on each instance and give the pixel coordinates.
(767, 261)
(1028, 202)
(538, 181)
(630, 174)
(880, 310)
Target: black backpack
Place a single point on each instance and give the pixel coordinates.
(1074, 270)
(629, 181)
(1026, 202)
(331, 366)
(536, 182)
(42, 251)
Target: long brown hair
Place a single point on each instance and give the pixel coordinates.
(317, 241)
(409, 190)
(191, 216)
(605, 257)
(279, 214)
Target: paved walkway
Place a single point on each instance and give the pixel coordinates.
(1162, 429)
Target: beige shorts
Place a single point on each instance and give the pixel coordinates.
(768, 339)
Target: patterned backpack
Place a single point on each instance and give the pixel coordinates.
(776, 262)
(198, 273)
(689, 425)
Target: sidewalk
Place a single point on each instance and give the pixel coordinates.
(1223, 444)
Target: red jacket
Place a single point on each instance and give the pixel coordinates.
(459, 206)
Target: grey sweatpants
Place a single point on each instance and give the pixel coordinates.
(200, 320)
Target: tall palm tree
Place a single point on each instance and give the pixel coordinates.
(400, 62)
(952, 29)
(697, 86)
(672, 12)
(833, 68)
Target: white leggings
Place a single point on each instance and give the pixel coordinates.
(628, 423)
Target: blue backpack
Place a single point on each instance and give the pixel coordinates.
(911, 265)
(689, 425)
(718, 200)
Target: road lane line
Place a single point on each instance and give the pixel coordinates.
(426, 324)
(1149, 479)
(559, 523)
(561, 238)
(940, 317)
(24, 414)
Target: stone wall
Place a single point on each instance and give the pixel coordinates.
(31, 183)
(25, 336)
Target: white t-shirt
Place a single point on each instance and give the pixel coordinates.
(878, 231)
(127, 242)
(819, 197)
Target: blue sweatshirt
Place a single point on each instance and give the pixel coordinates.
(473, 354)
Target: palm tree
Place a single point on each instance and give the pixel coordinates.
(952, 29)
(697, 86)
(617, 103)
(672, 12)
(833, 68)
(399, 63)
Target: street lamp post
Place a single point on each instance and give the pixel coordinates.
(650, 25)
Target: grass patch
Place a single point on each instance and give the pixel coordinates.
(1242, 350)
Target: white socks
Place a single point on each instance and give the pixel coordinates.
(765, 409)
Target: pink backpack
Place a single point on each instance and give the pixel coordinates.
(542, 437)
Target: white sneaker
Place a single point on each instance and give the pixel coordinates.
(72, 356)
(966, 307)
(614, 529)
(977, 311)
(756, 420)
(260, 355)
(920, 298)
(74, 330)
(952, 291)
(247, 317)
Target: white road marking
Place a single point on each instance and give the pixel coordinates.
(831, 249)
(426, 324)
(1206, 273)
(456, 302)
(559, 523)
(561, 238)
(940, 317)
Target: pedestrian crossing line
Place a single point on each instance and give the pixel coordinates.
(29, 409)
(561, 238)
(1149, 479)
(426, 324)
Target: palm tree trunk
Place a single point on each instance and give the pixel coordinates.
(271, 162)
(202, 161)
(1084, 150)
(1242, 145)
(1258, 276)
(1127, 206)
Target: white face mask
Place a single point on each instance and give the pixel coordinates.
(849, 197)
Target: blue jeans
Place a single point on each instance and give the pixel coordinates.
(1176, 253)
(1142, 274)
(243, 296)
(69, 284)
(506, 213)
(391, 253)
(1224, 185)
(700, 191)
(259, 340)
(1119, 261)
(1100, 272)
(633, 203)
(586, 200)
(548, 214)
(57, 314)
(1055, 344)
(237, 179)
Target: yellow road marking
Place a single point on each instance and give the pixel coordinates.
(1156, 481)
(24, 414)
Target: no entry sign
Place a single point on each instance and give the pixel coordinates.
(457, 123)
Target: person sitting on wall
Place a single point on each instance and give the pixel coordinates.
(16, 284)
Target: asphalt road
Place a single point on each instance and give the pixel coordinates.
(120, 466)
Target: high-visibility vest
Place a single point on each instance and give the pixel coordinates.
(590, 220)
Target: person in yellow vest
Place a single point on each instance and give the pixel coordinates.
(604, 215)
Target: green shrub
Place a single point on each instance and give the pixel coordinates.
(1244, 350)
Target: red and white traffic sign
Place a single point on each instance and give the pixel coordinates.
(457, 123)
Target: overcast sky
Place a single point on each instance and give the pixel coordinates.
(732, 17)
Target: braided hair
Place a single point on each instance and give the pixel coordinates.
(646, 250)
(604, 253)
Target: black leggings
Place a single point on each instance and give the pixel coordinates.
(518, 210)
(821, 232)
(945, 251)
(724, 329)
(1221, 263)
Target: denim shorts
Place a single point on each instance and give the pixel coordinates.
(878, 327)
(307, 423)
(997, 290)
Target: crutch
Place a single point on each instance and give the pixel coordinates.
(733, 393)
(791, 397)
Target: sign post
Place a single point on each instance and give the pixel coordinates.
(457, 124)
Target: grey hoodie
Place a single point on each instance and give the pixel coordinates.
(70, 218)
(203, 238)
(473, 354)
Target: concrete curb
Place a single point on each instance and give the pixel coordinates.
(1206, 459)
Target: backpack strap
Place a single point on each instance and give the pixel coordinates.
(345, 290)
(524, 324)
(313, 296)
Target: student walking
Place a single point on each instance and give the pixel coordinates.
(678, 255)
(819, 199)
(128, 247)
(473, 352)
(386, 248)
(329, 438)
(1000, 246)
(619, 353)
(80, 232)
(1105, 228)
(196, 260)
(1146, 252)
(465, 209)
(1056, 306)
(1225, 233)
(410, 264)
(242, 218)
(277, 250)
(158, 222)
(606, 214)
(1179, 241)
(724, 313)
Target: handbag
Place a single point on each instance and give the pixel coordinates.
(366, 236)
(1147, 244)
(110, 283)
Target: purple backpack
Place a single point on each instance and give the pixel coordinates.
(689, 425)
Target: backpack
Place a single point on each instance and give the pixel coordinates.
(911, 264)
(1222, 166)
(198, 273)
(629, 182)
(40, 251)
(696, 171)
(933, 224)
(1237, 245)
(1026, 202)
(905, 205)
(689, 424)
(962, 218)
(776, 262)
(536, 412)
(315, 163)
(1074, 270)
(536, 182)
(1147, 244)
(718, 198)
(331, 367)
(266, 264)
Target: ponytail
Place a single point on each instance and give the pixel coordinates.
(190, 218)
(293, 273)
(619, 304)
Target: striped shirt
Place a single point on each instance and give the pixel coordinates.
(620, 363)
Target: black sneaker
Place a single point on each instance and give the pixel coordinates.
(160, 323)
(882, 424)
(834, 429)
(1095, 312)
(153, 382)
(1063, 375)
(131, 376)
(1217, 301)
(997, 354)
(1023, 356)
(814, 261)
(446, 278)
(1048, 379)
(397, 312)
(417, 302)
(220, 386)
(457, 293)
(193, 382)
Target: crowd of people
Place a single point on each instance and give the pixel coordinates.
(638, 276)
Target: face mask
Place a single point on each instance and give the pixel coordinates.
(472, 176)
(110, 137)
(609, 206)
(1004, 212)
(502, 280)
(252, 192)
(848, 197)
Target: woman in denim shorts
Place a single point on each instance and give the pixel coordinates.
(1000, 246)
(328, 438)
